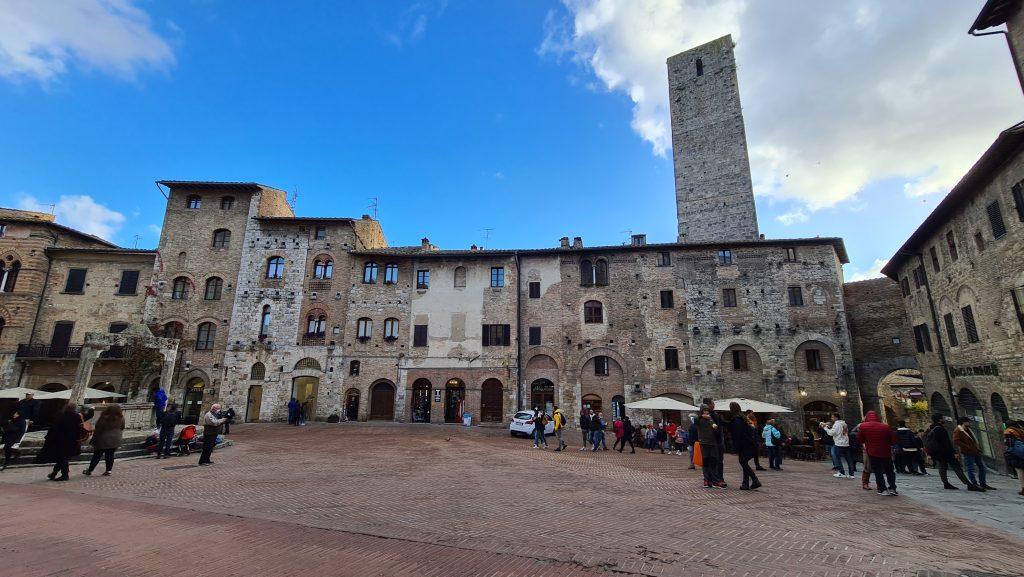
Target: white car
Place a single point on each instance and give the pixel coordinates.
(522, 424)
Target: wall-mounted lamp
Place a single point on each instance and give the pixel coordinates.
(842, 391)
(802, 391)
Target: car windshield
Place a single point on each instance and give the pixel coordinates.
(524, 416)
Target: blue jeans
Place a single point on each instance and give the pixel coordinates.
(774, 457)
(538, 437)
(598, 439)
(836, 464)
(163, 446)
(839, 454)
(972, 462)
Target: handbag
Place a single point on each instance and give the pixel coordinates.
(698, 456)
(84, 432)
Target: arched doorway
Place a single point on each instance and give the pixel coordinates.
(454, 400)
(1001, 412)
(490, 401)
(305, 390)
(940, 406)
(816, 412)
(193, 405)
(897, 391)
(420, 403)
(973, 410)
(542, 394)
(352, 404)
(253, 404)
(619, 407)
(592, 402)
(382, 401)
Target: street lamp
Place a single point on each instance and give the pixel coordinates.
(802, 391)
(842, 391)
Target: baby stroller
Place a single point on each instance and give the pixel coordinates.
(185, 438)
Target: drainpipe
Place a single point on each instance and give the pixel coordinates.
(519, 334)
(938, 338)
(1009, 44)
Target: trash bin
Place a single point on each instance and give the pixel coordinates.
(467, 419)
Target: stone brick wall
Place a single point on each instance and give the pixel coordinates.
(714, 194)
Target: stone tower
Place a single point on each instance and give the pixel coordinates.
(714, 194)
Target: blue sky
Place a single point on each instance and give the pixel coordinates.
(534, 119)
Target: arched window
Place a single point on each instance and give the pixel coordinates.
(265, 321)
(390, 273)
(214, 285)
(194, 202)
(364, 329)
(353, 368)
(308, 363)
(221, 238)
(316, 324)
(9, 276)
(600, 272)
(998, 407)
(460, 276)
(390, 329)
(227, 202)
(323, 269)
(258, 372)
(586, 273)
(275, 267)
(593, 312)
(700, 67)
(206, 334)
(370, 273)
(601, 366)
(172, 330)
(179, 289)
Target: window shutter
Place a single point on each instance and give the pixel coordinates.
(506, 335)
(995, 218)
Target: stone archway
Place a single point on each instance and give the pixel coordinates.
(898, 391)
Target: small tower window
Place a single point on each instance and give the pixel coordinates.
(700, 67)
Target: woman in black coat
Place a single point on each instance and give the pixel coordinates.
(744, 441)
(14, 430)
(62, 442)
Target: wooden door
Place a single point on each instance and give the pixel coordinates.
(490, 401)
(61, 338)
(382, 402)
(252, 408)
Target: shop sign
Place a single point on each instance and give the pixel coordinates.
(991, 370)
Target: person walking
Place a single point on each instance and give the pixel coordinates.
(1013, 439)
(106, 438)
(878, 440)
(720, 440)
(662, 437)
(707, 435)
(619, 431)
(559, 419)
(752, 419)
(965, 442)
(772, 439)
(14, 431)
(910, 461)
(627, 435)
(293, 412)
(63, 441)
(744, 441)
(940, 449)
(159, 403)
(637, 438)
(212, 424)
(681, 439)
(670, 431)
(597, 428)
(167, 423)
(840, 434)
(540, 421)
(585, 418)
(692, 434)
(230, 416)
(28, 408)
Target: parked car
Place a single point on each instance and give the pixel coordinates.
(522, 424)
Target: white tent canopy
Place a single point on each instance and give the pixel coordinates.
(661, 403)
(751, 405)
(17, 393)
(90, 393)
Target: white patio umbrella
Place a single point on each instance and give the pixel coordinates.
(17, 393)
(751, 405)
(90, 393)
(661, 404)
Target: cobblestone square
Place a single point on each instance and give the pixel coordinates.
(389, 499)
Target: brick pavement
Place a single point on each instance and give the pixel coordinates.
(481, 502)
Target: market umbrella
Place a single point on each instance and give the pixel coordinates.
(751, 405)
(17, 393)
(90, 393)
(661, 404)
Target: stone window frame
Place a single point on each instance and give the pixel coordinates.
(813, 358)
(665, 258)
(194, 202)
(459, 277)
(950, 323)
(740, 362)
(265, 318)
(316, 322)
(796, 296)
(206, 336)
(79, 286)
(534, 294)
(594, 273)
(602, 366)
(593, 312)
(221, 238)
(667, 297)
(364, 329)
(227, 202)
(420, 335)
(496, 335)
(729, 299)
(391, 328)
(370, 270)
(996, 220)
(353, 368)
(126, 274)
(935, 259)
(423, 279)
(534, 336)
(320, 233)
(979, 241)
(9, 276)
(391, 273)
(725, 257)
(323, 267)
(180, 288)
(671, 359)
(275, 268)
(954, 254)
(497, 277)
(216, 284)
(258, 372)
(970, 325)
(791, 255)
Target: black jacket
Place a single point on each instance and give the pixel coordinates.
(906, 438)
(14, 430)
(28, 409)
(596, 424)
(169, 419)
(938, 444)
(585, 422)
(62, 438)
(743, 436)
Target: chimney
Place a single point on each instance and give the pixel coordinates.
(473, 247)
(425, 244)
(577, 242)
(563, 242)
(366, 217)
(639, 240)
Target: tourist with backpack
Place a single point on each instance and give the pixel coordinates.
(627, 435)
(585, 417)
(940, 449)
(540, 421)
(772, 441)
(1013, 438)
(559, 418)
(597, 428)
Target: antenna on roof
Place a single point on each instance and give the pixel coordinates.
(374, 205)
(294, 199)
(137, 238)
(630, 235)
(53, 208)
(487, 235)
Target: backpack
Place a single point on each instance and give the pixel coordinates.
(561, 418)
(931, 442)
(544, 420)
(1017, 449)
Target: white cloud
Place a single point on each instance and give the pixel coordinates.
(837, 96)
(412, 24)
(80, 212)
(873, 272)
(39, 39)
(154, 229)
(793, 217)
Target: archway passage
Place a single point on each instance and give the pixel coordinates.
(816, 412)
(592, 402)
(974, 411)
(305, 390)
(542, 394)
(352, 404)
(252, 405)
(897, 391)
(420, 402)
(491, 401)
(454, 400)
(940, 405)
(382, 402)
(619, 407)
(193, 405)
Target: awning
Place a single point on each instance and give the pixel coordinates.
(90, 393)
(17, 393)
(751, 405)
(662, 404)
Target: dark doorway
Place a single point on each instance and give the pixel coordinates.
(490, 401)
(592, 402)
(816, 412)
(194, 400)
(352, 404)
(61, 338)
(542, 395)
(382, 402)
(421, 401)
(454, 400)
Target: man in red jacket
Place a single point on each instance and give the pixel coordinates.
(878, 440)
